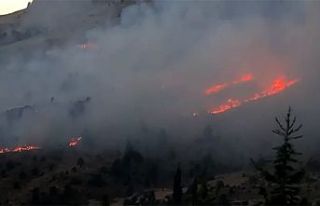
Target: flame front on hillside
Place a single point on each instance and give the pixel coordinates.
(19, 149)
(73, 142)
(219, 87)
(277, 86)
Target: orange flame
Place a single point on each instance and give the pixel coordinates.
(19, 149)
(229, 104)
(219, 87)
(278, 85)
(245, 78)
(74, 141)
(216, 88)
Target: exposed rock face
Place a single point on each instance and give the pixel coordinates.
(59, 19)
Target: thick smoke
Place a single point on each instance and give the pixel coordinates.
(149, 64)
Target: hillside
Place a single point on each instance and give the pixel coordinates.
(32, 29)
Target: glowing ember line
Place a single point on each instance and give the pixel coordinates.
(278, 85)
(244, 78)
(216, 88)
(74, 141)
(229, 104)
(219, 87)
(18, 149)
(4, 150)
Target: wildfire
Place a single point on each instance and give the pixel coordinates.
(278, 85)
(74, 141)
(229, 104)
(219, 87)
(18, 149)
(245, 78)
(215, 88)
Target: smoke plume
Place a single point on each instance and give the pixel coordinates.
(149, 63)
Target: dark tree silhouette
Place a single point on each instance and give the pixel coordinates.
(285, 176)
(152, 173)
(35, 195)
(177, 188)
(194, 191)
(80, 162)
(35, 171)
(208, 133)
(22, 175)
(16, 185)
(51, 166)
(105, 200)
(203, 192)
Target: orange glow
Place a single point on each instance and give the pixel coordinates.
(215, 88)
(4, 150)
(245, 78)
(219, 87)
(74, 141)
(19, 149)
(229, 104)
(278, 85)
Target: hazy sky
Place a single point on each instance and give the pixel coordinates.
(8, 6)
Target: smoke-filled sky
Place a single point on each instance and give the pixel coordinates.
(154, 64)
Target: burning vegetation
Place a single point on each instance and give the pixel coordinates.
(214, 89)
(125, 75)
(19, 149)
(73, 142)
(278, 85)
(57, 177)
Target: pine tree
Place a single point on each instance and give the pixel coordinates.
(177, 188)
(193, 190)
(80, 162)
(285, 176)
